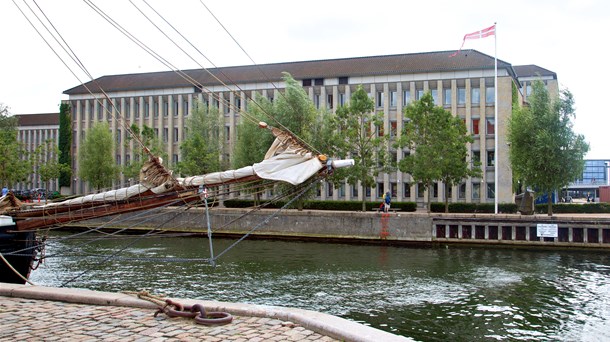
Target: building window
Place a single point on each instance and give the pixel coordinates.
(476, 157)
(491, 190)
(419, 94)
(475, 95)
(406, 97)
(434, 93)
(379, 99)
(227, 133)
(461, 96)
(175, 108)
(319, 81)
(476, 190)
(406, 192)
(393, 99)
(118, 136)
(176, 134)
(156, 109)
(329, 101)
(185, 108)
(475, 126)
(343, 80)
(165, 134)
(342, 190)
(490, 126)
(462, 191)
(420, 190)
(393, 190)
(329, 189)
(175, 159)
(127, 159)
(354, 191)
(393, 128)
(146, 109)
(367, 191)
(137, 111)
(491, 158)
(341, 99)
(118, 159)
(490, 96)
(316, 101)
(307, 82)
(165, 108)
(380, 190)
(447, 96)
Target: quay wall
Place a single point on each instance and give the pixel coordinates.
(577, 230)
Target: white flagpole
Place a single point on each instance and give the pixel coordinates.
(497, 126)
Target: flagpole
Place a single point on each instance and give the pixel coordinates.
(497, 126)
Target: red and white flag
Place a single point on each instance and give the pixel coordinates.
(486, 32)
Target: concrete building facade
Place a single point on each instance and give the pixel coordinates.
(463, 84)
(33, 131)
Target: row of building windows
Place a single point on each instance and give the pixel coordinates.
(475, 96)
(418, 189)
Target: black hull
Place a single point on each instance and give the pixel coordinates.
(11, 242)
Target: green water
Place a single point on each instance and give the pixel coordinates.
(427, 294)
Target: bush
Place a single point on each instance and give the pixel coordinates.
(563, 208)
(323, 205)
(506, 208)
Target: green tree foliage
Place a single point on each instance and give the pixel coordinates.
(149, 140)
(202, 147)
(45, 159)
(437, 140)
(96, 157)
(14, 163)
(65, 143)
(545, 153)
(356, 136)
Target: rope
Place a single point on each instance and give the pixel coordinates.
(8, 264)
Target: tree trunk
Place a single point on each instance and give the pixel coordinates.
(549, 202)
(446, 200)
(429, 197)
(363, 198)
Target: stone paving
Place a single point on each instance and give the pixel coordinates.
(41, 320)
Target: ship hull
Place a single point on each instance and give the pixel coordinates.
(24, 243)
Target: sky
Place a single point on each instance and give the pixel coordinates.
(567, 37)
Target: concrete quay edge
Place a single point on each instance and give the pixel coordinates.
(325, 324)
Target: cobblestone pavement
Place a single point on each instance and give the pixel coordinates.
(40, 320)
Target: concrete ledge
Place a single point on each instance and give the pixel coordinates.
(321, 323)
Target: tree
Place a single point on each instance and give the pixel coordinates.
(45, 159)
(201, 149)
(357, 126)
(14, 164)
(96, 157)
(545, 153)
(65, 143)
(454, 154)
(149, 139)
(438, 142)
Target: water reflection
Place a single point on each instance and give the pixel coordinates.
(427, 294)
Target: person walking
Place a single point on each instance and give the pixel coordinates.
(386, 202)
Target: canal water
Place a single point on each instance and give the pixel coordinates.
(428, 294)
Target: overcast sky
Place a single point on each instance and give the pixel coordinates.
(568, 37)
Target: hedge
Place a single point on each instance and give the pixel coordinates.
(436, 207)
(323, 205)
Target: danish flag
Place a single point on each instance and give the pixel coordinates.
(486, 32)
